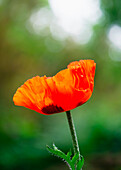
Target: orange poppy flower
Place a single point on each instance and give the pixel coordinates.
(65, 91)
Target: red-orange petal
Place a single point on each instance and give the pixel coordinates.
(65, 91)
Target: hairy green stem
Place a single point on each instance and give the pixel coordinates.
(73, 133)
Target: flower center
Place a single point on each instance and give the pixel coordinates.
(52, 109)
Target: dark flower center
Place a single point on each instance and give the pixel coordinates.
(52, 109)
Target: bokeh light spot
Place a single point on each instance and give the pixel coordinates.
(114, 36)
(70, 18)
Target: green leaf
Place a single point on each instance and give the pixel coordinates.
(75, 158)
(69, 154)
(67, 158)
(56, 152)
(80, 163)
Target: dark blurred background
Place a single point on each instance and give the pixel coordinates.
(42, 37)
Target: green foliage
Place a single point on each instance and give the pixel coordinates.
(73, 163)
(80, 163)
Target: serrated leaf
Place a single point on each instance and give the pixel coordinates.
(80, 163)
(62, 155)
(75, 158)
(57, 152)
(69, 154)
(71, 163)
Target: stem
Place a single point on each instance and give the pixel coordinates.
(73, 133)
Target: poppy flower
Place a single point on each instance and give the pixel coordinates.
(65, 91)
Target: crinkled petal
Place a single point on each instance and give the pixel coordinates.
(66, 90)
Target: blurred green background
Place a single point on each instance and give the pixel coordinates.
(42, 37)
